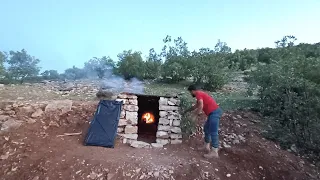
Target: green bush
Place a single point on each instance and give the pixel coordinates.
(289, 92)
(188, 125)
(130, 65)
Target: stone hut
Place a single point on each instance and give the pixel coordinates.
(149, 120)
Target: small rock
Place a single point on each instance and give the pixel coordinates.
(176, 141)
(59, 105)
(131, 129)
(138, 170)
(36, 178)
(38, 113)
(294, 148)
(171, 103)
(162, 141)
(156, 174)
(110, 176)
(93, 175)
(130, 136)
(163, 113)
(139, 144)
(162, 134)
(156, 145)
(4, 157)
(4, 118)
(236, 141)
(228, 175)
(10, 124)
(176, 130)
(53, 123)
(254, 121)
(176, 123)
(242, 138)
(225, 145)
(31, 121)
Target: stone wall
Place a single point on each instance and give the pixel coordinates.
(169, 131)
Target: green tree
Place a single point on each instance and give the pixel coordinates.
(22, 65)
(100, 66)
(130, 65)
(153, 65)
(210, 67)
(177, 66)
(265, 55)
(286, 41)
(3, 59)
(222, 47)
(211, 70)
(74, 73)
(50, 75)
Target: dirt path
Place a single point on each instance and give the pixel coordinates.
(35, 152)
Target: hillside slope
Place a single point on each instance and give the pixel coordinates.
(33, 151)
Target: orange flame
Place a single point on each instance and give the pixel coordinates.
(148, 118)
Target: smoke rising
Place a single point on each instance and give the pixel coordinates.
(117, 84)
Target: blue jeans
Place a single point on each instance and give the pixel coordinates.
(211, 128)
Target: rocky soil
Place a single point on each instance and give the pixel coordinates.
(44, 141)
(90, 89)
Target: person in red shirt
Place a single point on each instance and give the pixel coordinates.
(209, 106)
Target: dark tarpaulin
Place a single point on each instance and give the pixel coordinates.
(103, 127)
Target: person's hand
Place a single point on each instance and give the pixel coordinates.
(193, 116)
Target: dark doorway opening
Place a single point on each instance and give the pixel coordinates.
(148, 118)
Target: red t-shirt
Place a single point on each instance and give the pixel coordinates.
(209, 104)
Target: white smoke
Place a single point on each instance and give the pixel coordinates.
(117, 84)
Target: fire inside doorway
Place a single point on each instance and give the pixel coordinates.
(148, 118)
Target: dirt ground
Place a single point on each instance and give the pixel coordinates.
(34, 152)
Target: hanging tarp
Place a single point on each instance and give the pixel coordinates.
(103, 127)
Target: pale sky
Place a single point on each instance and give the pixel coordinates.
(66, 33)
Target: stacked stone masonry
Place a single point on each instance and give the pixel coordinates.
(169, 131)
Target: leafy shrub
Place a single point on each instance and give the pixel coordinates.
(210, 69)
(100, 67)
(188, 125)
(74, 73)
(50, 75)
(290, 94)
(130, 65)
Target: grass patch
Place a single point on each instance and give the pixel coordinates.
(227, 101)
(234, 100)
(165, 89)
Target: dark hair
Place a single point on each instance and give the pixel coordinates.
(192, 88)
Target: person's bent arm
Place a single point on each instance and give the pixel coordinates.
(197, 106)
(191, 109)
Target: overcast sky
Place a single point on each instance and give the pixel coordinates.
(62, 33)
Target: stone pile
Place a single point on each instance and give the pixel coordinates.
(168, 131)
(232, 139)
(14, 114)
